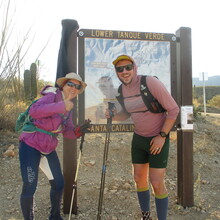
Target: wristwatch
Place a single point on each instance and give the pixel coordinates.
(163, 134)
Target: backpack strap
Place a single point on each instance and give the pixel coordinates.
(29, 124)
(46, 132)
(120, 99)
(152, 104)
(65, 119)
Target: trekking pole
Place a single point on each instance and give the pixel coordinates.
(76, 175)
(111, 106)
(84, 127)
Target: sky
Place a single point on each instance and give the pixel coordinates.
(45, 16)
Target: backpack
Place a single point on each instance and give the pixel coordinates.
(25, 123)
(151, 103)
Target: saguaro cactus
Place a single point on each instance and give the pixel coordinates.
(33, 71)
(27, 84)
(30, 82)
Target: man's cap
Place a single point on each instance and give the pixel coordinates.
(61, 81)
(122, 57)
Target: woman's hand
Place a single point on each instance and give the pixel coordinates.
(68, 103)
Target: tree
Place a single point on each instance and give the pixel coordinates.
(12, 54)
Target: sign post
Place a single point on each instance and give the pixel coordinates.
(184, 136)
(203, 76)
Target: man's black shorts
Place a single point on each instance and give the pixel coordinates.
(140, 152)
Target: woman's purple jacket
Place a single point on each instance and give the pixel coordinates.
(49, 114)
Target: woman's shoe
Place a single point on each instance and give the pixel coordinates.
(146, 216)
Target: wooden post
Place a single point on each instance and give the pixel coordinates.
(70, 146)
(184, 138)
(67, 62)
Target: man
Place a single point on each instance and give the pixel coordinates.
(150, 143)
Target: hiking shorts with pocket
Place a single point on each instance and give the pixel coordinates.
(140, 152)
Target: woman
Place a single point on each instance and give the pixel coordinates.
(53, 113)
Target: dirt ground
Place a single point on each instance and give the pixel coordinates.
(120, 200)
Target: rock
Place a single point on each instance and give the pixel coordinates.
(90, 163)
(11, 147)
(9, 211)
(127, 186)
(9, 153)
(112, 191)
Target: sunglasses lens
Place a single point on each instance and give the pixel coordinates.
(120, 69)
(71, 84)
(78, 86)
(128, 67)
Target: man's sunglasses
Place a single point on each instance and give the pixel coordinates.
(71, 84)
(128, 67)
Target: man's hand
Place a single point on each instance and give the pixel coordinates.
(156, 144)
(110, 113)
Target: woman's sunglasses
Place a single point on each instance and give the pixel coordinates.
(71, 84)
(128, 67)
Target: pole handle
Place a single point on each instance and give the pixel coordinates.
(111, 107)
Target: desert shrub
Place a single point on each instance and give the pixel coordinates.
(215, 101)
(196, 112)
(196, 103)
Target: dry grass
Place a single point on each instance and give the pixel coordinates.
(9, 114)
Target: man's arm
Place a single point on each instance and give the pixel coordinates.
(168, 124)
(121, 116)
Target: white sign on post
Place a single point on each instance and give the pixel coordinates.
(203, 76)
(187, 117)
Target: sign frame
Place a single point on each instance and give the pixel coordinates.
(123, 35)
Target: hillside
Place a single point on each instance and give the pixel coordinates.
(212, 81)
(210, 91)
